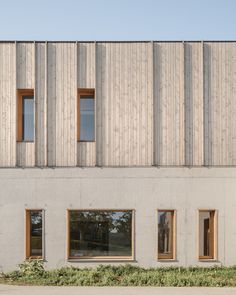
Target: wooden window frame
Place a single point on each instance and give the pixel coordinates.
(85, 92)
(172, 255)
(28, 232)
(213, 229)
(20, 94)
(101, 258)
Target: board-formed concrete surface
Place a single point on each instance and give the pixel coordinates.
(22, 290)
(143, 189)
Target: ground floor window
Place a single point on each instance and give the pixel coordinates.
(166, 234)
(34, 233)
(101, 234)
(207, 234)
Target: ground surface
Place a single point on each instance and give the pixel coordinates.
(22, 290)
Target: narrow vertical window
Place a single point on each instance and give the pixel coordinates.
(166, 233)
(86, 115)
(100, 234)
(207, 244)
(25, 116)
(34, 233)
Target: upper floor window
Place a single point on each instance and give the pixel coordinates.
(86, 115)
(25, 118)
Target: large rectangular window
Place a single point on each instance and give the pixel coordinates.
(207, 234)
(34, 233)
(86, 115)
(166, 234)
(100, 234)
(25, 116)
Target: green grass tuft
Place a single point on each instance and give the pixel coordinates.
(32, 272)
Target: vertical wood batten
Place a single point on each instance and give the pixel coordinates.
(25, 67)
(124, 93)
(169, 106)
(65, 100)
(222, 99)
(51, 104)
(86, 78)
(40, 100)
(193, 85)
(7, 104)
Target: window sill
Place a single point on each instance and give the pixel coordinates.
(86, 141)
(100, 259)
(34, 258)
(22, 141)
(167, 260)
(208, 260)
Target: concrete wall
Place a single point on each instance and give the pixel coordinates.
(142, 189)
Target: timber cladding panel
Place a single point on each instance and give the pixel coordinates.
(124, 104)
(7, 104)
(156, 103)
(62, 104)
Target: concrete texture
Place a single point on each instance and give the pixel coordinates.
(19, 290)
(143, 189)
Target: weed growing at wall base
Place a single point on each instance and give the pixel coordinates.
(33, 273)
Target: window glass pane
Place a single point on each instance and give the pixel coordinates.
(28, 118)
(87, 119)
(165, 233)
(100, 233)
(206, 234)
(36, 233)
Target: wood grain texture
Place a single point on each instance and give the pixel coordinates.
(25, 65)
(156, 103)
(40, 104)
(193, 90)
(220, 103)
(124, 104)
(169, 145)
(62, 104)
(7, 105)
(25, 154)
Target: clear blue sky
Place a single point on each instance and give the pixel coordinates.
(117, 19)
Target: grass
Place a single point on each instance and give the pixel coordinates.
(33, 273)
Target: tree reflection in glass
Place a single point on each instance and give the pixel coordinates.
(165, 234)
(100, 233)
(35, 233)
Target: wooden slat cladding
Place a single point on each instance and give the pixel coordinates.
(25, 65)
(86, 65)
(7, 105)
(86, 154)
(41, 104)
(169, 147)
(124, 104)
(62, 103)
(86, 79)
(25, 154)
(193, 91)
(25, 81)
(220, 103)
(156, 103)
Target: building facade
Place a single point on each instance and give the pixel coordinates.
(118, 152)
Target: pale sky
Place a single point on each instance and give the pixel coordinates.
(117, 20)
